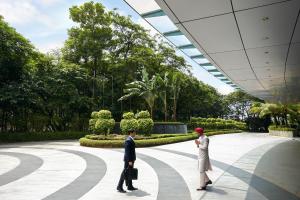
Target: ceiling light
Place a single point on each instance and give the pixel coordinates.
(265, 18)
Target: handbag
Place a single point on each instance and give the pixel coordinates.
(131, 173)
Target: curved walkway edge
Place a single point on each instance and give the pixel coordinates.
(28, 164)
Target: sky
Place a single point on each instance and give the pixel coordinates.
(45, 24)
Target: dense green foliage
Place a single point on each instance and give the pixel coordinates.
(282, 115)
(128, 123)
(216, 123)
(145, 123)
(146, 142)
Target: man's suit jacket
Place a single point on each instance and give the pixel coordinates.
(129, 155)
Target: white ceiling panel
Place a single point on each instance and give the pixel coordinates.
(246, 4)
(195, 9)
(292, 71)
(216, 34)
(166, 9)
(265, 26)
(241, 74)
(143, 6)
(251, 85)
(296, 36)
(271, 83)
(231, 60)
(191, 38)
(269, 72)
(294, 55)
(293, 81)
(268, 56)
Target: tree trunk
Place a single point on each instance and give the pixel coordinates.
(165, 108)
(94, 79)
(2, 121)
(275, 119)
(151, 111)
(174, 109)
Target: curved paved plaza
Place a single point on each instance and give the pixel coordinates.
(245, 166)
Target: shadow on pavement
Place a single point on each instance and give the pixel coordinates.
(138, 193)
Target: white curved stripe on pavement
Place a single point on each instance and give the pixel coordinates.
(8, 163)
(59, 169)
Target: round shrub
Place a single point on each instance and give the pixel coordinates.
(145, 123)
(101, 122)
(94, 115)
(92, 123)
(128, 115)
(143, 115)
(104, 114)
(128, 122)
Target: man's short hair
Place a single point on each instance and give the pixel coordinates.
(130, 131)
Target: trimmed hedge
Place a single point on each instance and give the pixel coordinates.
(39, 136)
(173, 138)
(280, 128)
(137, 137)
(216, 123)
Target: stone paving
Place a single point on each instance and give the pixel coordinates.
(245, 166)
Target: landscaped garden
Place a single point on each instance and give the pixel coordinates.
(109, 62)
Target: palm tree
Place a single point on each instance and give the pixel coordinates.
(163, 84)
(147, 89)
(279, 112)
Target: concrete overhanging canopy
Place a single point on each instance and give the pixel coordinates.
(254, 44)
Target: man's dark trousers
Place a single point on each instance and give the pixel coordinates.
(122, 178)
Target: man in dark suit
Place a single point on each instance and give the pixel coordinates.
(129, 158)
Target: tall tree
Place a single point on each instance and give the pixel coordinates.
(88, 41)
(15, 53)
(240, 103)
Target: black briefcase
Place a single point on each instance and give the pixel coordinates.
(131, 174)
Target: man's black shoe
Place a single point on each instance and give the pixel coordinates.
(132, 188)
(121, 190)
(208, 182)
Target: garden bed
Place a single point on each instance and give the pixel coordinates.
(282, 131)
(143, 141)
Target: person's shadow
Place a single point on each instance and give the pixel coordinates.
(216, 190)
(138, 193)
